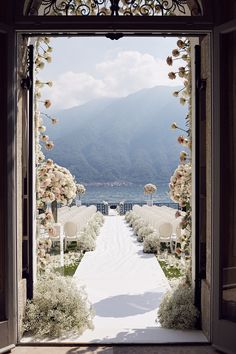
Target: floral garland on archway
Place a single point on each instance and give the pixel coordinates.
(180, 185)
(53, 182)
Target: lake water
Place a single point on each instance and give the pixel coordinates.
(131, 193)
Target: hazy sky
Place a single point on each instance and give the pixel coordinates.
(83, 69)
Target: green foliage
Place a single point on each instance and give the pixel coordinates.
(170, 271)
(58, 307)
(67, 271)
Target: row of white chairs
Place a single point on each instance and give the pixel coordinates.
(163, 221)
(69, 212)
(71, 223)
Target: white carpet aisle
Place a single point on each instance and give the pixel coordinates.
(125, 287)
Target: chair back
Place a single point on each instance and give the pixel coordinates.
(178, 233)
(165, 230)
(70, 229)
(57, 230)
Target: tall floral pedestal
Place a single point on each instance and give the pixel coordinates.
(78, 202)
(150, 202)
(54, 210)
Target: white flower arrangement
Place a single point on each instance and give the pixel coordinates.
(137, 225)
(177, 309)
(87, 239)
(55, 183)
(180, 185)
(149, 189)
(99, 218)
(42, 56)
(86, 242)
(140, 228)
(132, 218)
(143, 232)
(128, 216)
(151, 243)
(59, 307)
(80, 189)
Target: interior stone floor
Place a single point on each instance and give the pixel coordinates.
(117, 349)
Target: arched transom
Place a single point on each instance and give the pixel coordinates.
(115, 8)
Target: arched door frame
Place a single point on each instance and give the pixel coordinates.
(14, 24)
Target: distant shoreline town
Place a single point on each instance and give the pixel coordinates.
(110, 184)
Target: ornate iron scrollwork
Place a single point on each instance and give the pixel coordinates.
(113, 8)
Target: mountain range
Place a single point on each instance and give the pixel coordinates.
(126, 139)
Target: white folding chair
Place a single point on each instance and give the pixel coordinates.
(177, 236)
(70, 232)
(165, 233)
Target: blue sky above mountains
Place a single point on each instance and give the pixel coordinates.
(84, 69)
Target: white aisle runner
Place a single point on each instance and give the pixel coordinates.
(125, 287)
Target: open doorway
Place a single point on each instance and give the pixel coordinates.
(145, 96)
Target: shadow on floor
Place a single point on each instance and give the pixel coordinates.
(142, 254)
(156, 335)
(128, 305)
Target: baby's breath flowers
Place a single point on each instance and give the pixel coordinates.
(59, 307)
(177, 308)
